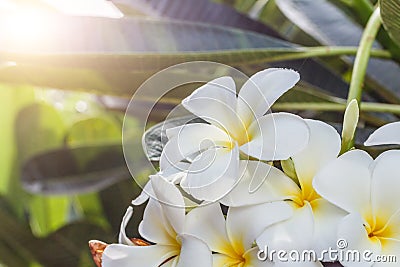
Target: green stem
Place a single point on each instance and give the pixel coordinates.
(363, 55)
(282, 54)
(365, 106)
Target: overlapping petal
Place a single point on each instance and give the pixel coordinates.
(352, 230)
(387, 134)
(214, 231)
(270, 184)
(155, 227)
(276, 136)
(251, 259)
(171, 202)
(118, 255)
(323, 147)
(290, 234)
(243, 231)
(194, 252)
(326, 220)
(191, 139)
(219, 98)
(213, 174)
(386, 186)
(262, 90)
(346, 182)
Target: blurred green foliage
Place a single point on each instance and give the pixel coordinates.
(63, 178)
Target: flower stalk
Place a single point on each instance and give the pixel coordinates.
(363, 56)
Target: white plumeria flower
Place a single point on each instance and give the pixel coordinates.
(163, 225)
(369, 191)
(314, 221)
(237, 125)
(388, 134)
(232, 239)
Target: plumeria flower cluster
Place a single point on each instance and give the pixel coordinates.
(249, 181)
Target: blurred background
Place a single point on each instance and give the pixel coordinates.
(69, 67)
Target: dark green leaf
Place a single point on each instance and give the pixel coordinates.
(311, 23)
(118, 55)
(75, 170)
(39, 127)
(116, 199)
(390, 12)
(62, 248)
(206, 11)
(220, 14)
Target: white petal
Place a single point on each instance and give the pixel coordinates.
(262, 89)
(352, 233)
(213, 174)
(171, 200)
(144, 195)
(117, 255)
(155, 227)
(293, 234)
(295, 263)
(326, 221)
(346, 182)
(386, 185)
(391, 248)
(222, 260)
(323, 147)
(392, 229)
(194, 252)
(275, 185)
(276, 136)
(175, 173)
(215, 102)
(208, 224)
(245, 224)
(192, 138)
(123, 238)
(251, 258)
(387, 134)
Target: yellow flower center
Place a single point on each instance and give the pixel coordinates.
(235, 253)
(301, 199)
(376, 229)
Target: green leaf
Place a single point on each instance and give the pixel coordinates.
(314, 23)
(118, 67)
(116, 199)
(390, 11)
(48, 214)
(39, 127)
(75, 170)
(11, 100)
(62, 248)
(93, 131)
(90, 208)
(206, 12)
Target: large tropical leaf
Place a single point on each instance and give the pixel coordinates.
(390, 11)
(61, 248)
(116, 56)
(200, 11)
(312, 23)
(75, 170)
(219, 14)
